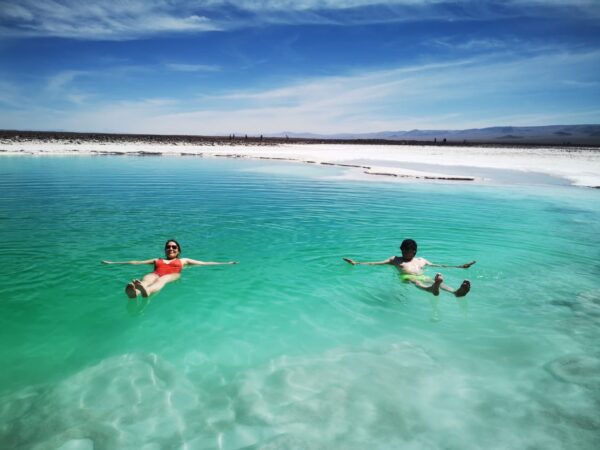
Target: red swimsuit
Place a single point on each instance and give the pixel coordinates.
(161, 268)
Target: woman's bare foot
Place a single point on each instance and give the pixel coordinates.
(138, 284)
(131, 291)
(437, 281)
(464, 289)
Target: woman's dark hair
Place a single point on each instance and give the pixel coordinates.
(173, 240)
(407, 245)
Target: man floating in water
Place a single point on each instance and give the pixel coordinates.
(412, 267)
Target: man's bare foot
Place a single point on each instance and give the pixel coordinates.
(138, 284)
(437, 281)
(464, 289)
(131, 291)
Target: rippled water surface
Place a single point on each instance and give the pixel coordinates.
(292, 348)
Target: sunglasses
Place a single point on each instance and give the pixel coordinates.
(167, 247)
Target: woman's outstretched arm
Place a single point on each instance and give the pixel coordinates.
(146, 261)
(193, 262)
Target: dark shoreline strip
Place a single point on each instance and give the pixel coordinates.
(582, 142)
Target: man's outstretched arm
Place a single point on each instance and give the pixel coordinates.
(369, 263)
(462, 266)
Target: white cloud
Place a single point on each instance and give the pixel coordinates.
(489, 44)
(57, 83)
(133, 19)
(582, 83)
(286, 5)
(372, 91)
(192, 67)
(474, 92)
(101, 19)
(63, 87)
(16, 12)
(10, 94)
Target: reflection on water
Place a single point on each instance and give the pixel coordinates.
(138, 305)
(293, 347)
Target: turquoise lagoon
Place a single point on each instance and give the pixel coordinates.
(292, 348)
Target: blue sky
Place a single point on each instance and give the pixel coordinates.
(321, 66)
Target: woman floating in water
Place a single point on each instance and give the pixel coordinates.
(166, 270)
(411, 268)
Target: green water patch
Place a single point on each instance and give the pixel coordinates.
(291, 348)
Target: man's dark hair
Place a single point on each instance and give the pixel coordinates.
(408, 245)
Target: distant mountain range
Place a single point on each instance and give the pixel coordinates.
(552, 134)
(557, 135)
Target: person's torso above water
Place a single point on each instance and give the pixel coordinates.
(166, 267)
(413, 267)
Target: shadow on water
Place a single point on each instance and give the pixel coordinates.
(403, 300)
(137, 306)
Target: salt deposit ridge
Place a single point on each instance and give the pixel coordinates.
(581, 167)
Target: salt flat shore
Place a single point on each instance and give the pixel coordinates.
(576, 166)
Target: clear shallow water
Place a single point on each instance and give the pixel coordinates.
(292, 348)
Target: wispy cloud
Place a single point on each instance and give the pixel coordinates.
(58, 82)
(474, 92)
(584, 84)
(62, 87)
(85, 86)
(109, 20)
(418, 96)
(457, 43)
(10, 94)
(371, 86)
(101, 19)
(192, 67)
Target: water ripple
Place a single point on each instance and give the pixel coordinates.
(293, 345)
